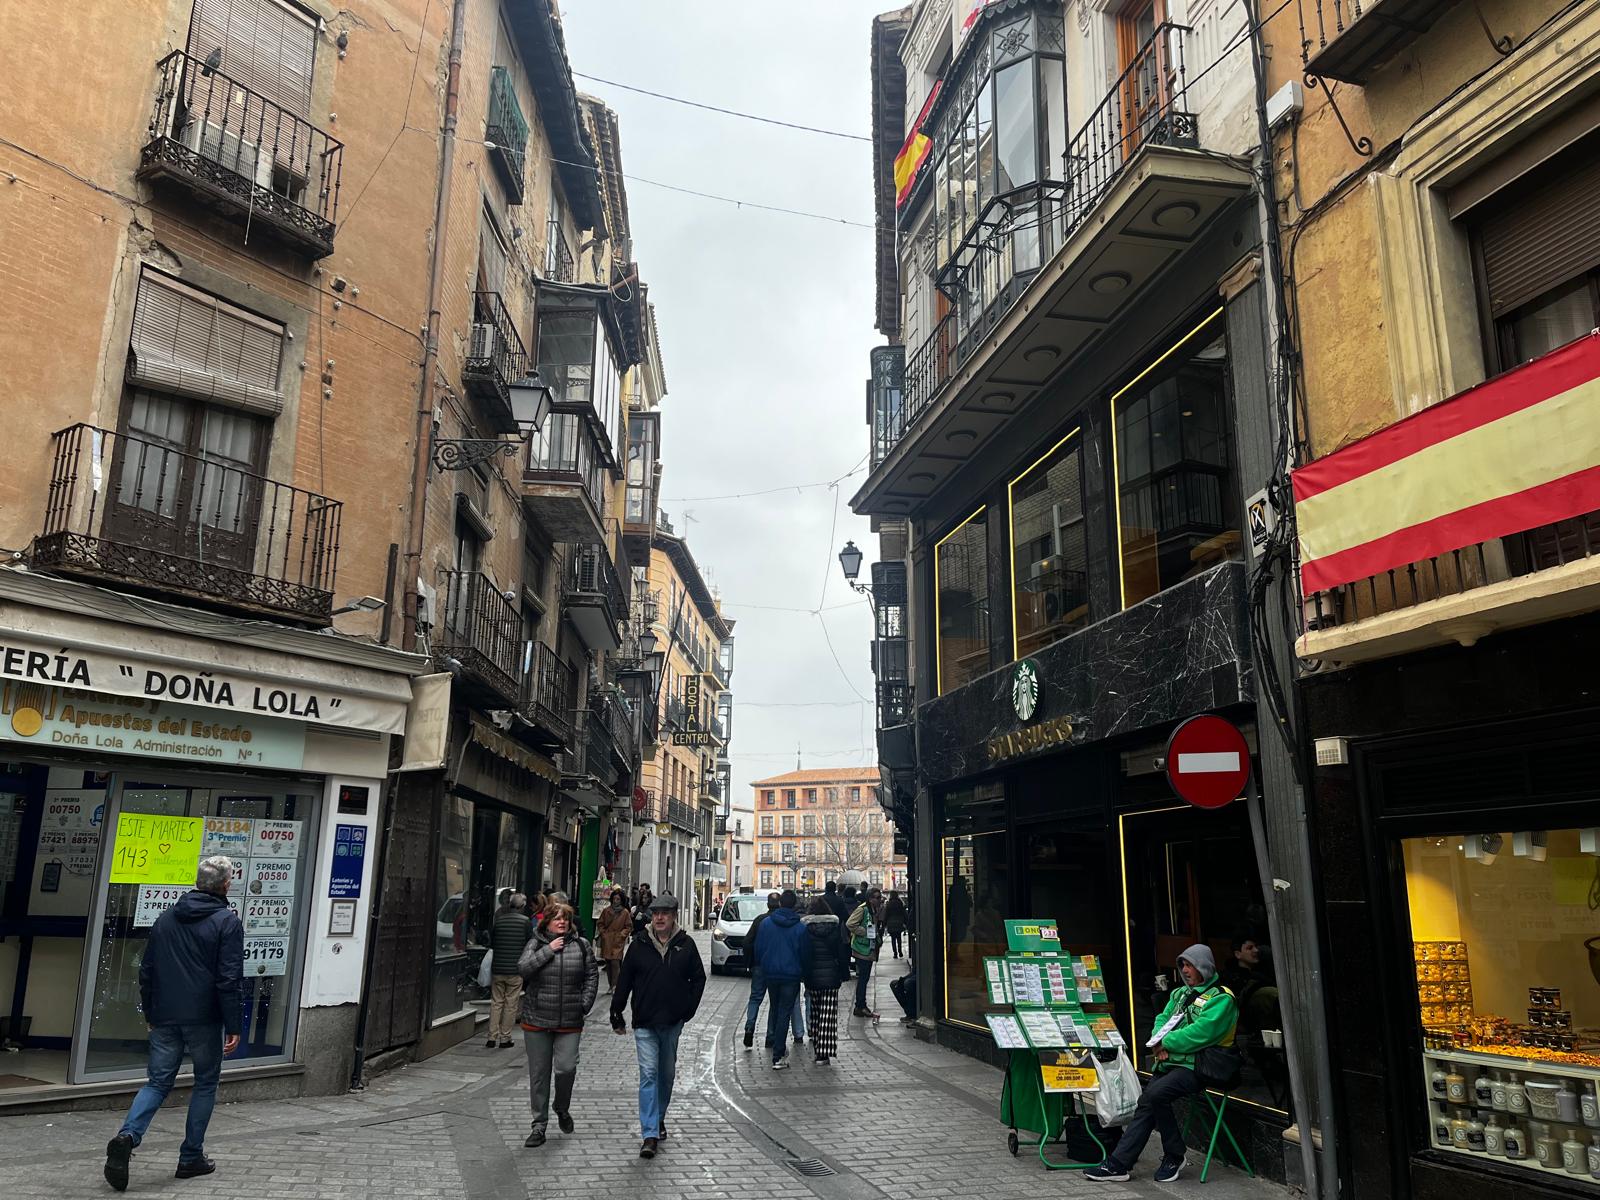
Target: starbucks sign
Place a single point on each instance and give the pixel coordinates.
(1025, 689)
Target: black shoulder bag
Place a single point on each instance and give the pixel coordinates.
(1215, 1066)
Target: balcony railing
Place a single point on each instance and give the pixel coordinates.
(548, 691)
(677, 713)
(1019, 232)
(1350, 39)
(249, 158)
(149, 517)
(602, 758)
(895, 703)
(495, 357)
(607, 708)
(481, 630)
(594, 573)
(507, 129)
(683, 815)
(559, 264)
(1456, 573)
(717, 730)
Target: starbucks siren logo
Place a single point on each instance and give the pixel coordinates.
(1025, 689)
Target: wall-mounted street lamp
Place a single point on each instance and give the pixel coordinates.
(850, 560)
(530, 405)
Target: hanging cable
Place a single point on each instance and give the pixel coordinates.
(727, 112)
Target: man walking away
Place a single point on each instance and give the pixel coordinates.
(863, 930)
(509, 934)
(189, 989)
(663, 974)
(781, 948)
(1201, 1013)
(894, 921)
(758, 981)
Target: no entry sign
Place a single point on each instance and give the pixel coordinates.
(1208, 761)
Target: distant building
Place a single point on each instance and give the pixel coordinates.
(813, 826)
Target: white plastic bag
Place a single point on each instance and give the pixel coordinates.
(1117, 1094)
(486, 970)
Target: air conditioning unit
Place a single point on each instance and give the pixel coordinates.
(228, 148)
(485, 340)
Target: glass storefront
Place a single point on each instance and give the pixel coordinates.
(1507, 977)
(976, 891)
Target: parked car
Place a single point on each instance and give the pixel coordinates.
(728, 949)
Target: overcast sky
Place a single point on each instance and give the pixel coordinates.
(766, 321)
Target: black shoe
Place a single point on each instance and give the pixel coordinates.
(799, 1039)
(505, 1043)
(662, 1136)
(490, 1044)
(535, 1137)
(200, 1166)
(118, 1151)
(1107, 1172)
(648, 1150)
(749, 1038)
(1169, 1170)
(565, 1121)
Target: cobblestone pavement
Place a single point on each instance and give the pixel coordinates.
(892, 1117)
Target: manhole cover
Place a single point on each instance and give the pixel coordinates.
(812, 1166)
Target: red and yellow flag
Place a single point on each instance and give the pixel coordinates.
(908, 163)
(1509, 455)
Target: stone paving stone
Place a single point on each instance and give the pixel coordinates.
(898, 1118)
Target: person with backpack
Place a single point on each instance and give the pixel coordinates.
(779, 951)
(508, 936)
(1198, 1022)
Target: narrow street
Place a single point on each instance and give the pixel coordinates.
(892, 1117)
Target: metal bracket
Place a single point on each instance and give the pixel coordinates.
(1361, 145)
(462, 454)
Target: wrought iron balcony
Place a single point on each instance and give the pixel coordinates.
(1350, 39)
(677, 713)
(144, 516)
(602, 757)
(550, 686)
(482, 631)
(596, 599)
(609, 709)
(559, 264)
(564, 479)
(717, 731)
(1020, 232)
(507, 129)
(248, 158)
(684, 816)
(895, 703)
(495, 360)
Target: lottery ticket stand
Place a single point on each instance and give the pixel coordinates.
(1057, 1030)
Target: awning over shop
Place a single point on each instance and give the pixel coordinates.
(1512, 454)
(502, 747)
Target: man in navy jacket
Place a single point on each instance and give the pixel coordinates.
(189, 988)
(781, 948)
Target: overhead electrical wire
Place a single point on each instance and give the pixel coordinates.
(728, 112)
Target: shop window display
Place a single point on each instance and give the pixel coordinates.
(457, 946)
(977, 888)
(1507, 966)
(1191, 877)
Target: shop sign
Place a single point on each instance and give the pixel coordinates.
(156, 849)
(70, 829)
(1065, 1075)
(114, 724)
(230, 836)
(271, 876)
(276, 839)
(152, 900)
(268, 916)
(693, 737)
(266, 956)
(349, 857)
(1025, 689)
(1054, 732)
(124, 674)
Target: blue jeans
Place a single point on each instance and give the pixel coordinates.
(167, 1044)
(863, 973)
(758, 991)
(658, 1064)
(1155, 1112)
(784, 995)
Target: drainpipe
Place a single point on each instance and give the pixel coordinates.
(430, 349)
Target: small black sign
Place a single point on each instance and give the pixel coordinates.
(353, 800)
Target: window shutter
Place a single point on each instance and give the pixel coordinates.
(1548, 235)
(187, 342)
(266, 45)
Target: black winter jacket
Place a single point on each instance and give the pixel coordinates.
(193, 966)
(665, 989)
(559, 986)
(829, 960)
(508, 938)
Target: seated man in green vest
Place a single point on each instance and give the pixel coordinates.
(1200, 1014)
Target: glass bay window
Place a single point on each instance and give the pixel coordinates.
(578, 361)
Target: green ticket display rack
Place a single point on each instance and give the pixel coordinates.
(1057, 1020)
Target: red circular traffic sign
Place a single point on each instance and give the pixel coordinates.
(640, 799)
(1208, 761)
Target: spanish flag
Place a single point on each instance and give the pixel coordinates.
(908, 163)
(1512, 454)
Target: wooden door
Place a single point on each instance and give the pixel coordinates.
(1141, 60)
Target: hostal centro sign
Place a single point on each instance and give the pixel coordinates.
(71, 719)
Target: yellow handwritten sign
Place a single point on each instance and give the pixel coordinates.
(156, 849)
(1063, 1076)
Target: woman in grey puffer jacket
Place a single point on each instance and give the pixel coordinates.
(560, 979)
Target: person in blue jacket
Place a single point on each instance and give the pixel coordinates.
(190, 983)
(781, 950)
